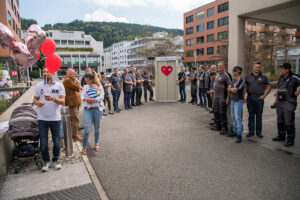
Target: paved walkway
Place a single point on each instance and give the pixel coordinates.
(167, 151)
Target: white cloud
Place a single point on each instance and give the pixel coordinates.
(101, 15)
(176, 5)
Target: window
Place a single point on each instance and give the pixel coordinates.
(87, 43)
(210, 50)
(71, 42)
(189, 42)
(200, 15)
(210, 38)
(251, 23)
(190, 30)
(9, 17)
(223, 21)
(252, 34)
(200, 52)
(200, 27)
(210, 12)
(261, 35)
(50, 34)
(222, 49)
(12, 4)
(190, 53)
(223, 7)
(210, 25)
(14, 25)
(57, 42)
(200, 40)
(189, 19)
(223, 35)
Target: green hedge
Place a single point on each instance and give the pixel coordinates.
(34, 74)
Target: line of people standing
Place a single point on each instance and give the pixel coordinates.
(224, 96)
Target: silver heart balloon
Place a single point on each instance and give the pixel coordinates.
(35, 37)
(6, 37)
(22, 56)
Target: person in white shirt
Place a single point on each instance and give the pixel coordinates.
(49, 95)
(92, 102)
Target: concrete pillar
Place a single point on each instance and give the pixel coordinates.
(236, 45)
(297, 66)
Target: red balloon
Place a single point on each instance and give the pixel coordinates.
(48, 47)
(37, 55)
(53, 63)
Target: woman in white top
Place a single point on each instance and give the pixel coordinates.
(92, 96)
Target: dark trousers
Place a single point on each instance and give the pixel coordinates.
(127, 96)
(286, 119)
(116, 95)
(209, 99)
(182, 92)
(202, 96)
(255, 109)
(220, 113)
(138, 95)
(132, 95)
(107, 99)
(194, 94)
(148, 88)
(44, 127)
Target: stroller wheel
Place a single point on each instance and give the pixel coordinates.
(16, 167)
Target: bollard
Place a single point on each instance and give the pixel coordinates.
(65, 113)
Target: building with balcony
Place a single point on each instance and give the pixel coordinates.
(10, 17)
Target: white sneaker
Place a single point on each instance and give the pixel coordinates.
(45, 167)
(56, 166)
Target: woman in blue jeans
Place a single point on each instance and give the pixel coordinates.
(92, 96)
(236, 95)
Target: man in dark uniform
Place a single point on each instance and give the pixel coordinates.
(222, 81)
(139, 90)
(193, 80)
(147, 84)
(202, 92)
(181, 82)
(286, 103)
(257, 87)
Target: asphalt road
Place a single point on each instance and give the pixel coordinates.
(167, 151)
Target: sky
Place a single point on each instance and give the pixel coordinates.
(163, 13)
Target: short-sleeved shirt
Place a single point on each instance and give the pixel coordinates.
(50, 111)
(290, 85)
(127, 87)
(116, 81)
(139, 85)
(133, 77)
(194, 82)
(104, 82)
(147, 78)
(221, 84)
(201, 82)
(256, 85)
(240, 84)
(180, 76)
(207, 79)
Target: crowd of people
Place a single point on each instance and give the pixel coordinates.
(219, 93)
(224, 96)
(91, 94)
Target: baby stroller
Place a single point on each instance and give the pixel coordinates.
(23, 130)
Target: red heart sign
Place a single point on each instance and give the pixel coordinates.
(167, 70)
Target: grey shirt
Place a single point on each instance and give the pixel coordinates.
(256, 85)
(133, 77)
(194, 82)
(221, 84)
(207, 79)
(147, 79)
(116, 81)
(103, 82)
(240, 83)
(127, 87)
(201, 82)
(139, 85)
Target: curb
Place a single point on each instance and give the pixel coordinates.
(101, 192)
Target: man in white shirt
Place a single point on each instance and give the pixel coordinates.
(48, 96)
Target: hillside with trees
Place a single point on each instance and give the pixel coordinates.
(109, 32)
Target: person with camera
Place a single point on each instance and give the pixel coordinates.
(286, 103)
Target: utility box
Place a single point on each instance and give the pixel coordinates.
(166, 69)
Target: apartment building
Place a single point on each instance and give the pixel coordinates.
(10, 17)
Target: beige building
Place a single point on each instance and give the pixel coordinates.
(277, 12)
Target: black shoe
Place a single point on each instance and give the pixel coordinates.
(231, 134)
(249, 134)
(260, 135)
(133, 104)
(213, 123)
(191, 102)
(214, 128)
(117, 111)
(151, 99)
(223, 132)
(198, 104)
(211, 111)
(278, 138)
(180, 100)
(289, 143)
(238, 139)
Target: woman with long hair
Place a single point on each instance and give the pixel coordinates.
(92, 96)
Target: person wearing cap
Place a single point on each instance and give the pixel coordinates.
(236, 100)
(193, 80)
(286, 103)
(181, 83)
(257, 87)
(202, 92)
(221, 83)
